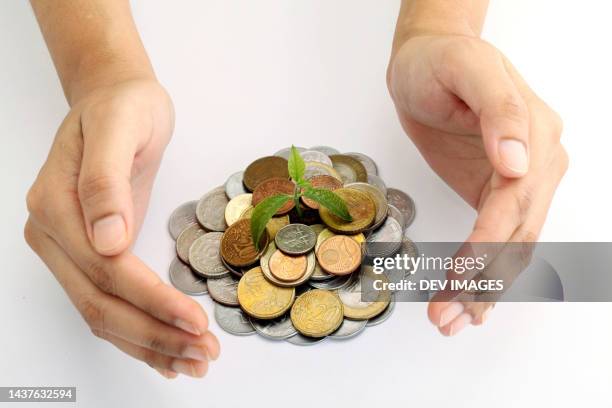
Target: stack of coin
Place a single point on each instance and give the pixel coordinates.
(303, 281)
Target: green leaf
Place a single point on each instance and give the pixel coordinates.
(296, 165)
(262, 214)
(329, 200)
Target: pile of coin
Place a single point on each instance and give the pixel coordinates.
(303, 281)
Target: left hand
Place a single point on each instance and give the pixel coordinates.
(486, 134)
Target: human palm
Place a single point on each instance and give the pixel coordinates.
(486, 134)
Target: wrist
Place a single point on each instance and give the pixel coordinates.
(98, 71)
(438, 17)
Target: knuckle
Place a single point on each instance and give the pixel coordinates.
(564, 160)
(512, 107)
(101, 275)
(150, 357)
(524, 200)
(95, 188)
(92, 311)
(35, 199)
(154, 342)
(31, 235)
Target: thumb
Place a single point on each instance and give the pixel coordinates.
(487, 88)
(104, 186)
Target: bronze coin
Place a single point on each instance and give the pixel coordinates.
(286, 267)
(263, 169)
(339, 255)
(274, 186)
(237, 245)
(324, 182)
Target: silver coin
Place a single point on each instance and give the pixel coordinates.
(337, 282)
(349, 328)
(319, 274)
(386, 240)
(286, 152)
(211, 210)
(319, 169)
(181, 218)
(264, 262)
(346, 172)
(377, 182)
(403, 202)
(295, 239)
(224, 290)
(186, 238)
(205, 257)
(316, 156)
(280, 328)
(234, 186)
(301, 340)
(409, 248)
(383, 316)
(397, 214)
(233, 320)
(325, 150)
(368, 163)
(183, 278)
(379, 199)
(234, 270)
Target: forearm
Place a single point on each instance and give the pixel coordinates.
(92, 42)
(418, 17)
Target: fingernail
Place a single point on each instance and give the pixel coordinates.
(513, 155)
(188, 327)
(196, 353)
(485, 314)
(460, 323)
(167, 373)
(450, 313)
(184, 367)
(109, 232)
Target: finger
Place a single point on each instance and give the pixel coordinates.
(109, 315)
(124, 275)
(165, 365)
(485, 86)
(104, 185)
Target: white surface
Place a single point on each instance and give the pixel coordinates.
(249, 78)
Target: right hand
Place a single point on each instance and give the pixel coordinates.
(86, 207)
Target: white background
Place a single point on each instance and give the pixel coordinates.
(249, 78)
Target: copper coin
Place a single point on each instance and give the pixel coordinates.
(339, 255)
(324, 182)
(286, 267)
(274, 186)
(237, 246)
(263, 169)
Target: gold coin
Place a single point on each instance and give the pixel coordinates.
(339, 255)
(327, 233)
(286, 267)
(237, 246)
(317, 313)
(263, 169)
(275, 223)
(236, 207)
(261, 299)
(360, 206)
(352, 296)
